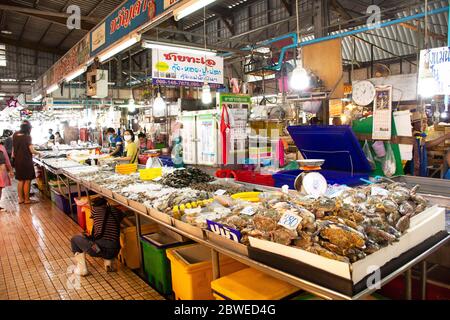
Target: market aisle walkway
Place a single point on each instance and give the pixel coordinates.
(35, 256)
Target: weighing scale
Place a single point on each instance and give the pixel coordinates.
(311, 181)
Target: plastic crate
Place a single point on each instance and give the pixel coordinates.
(251, 284)
(62, 203)
(156, 264)
(129, 253)
(191, 270)
(345, 162)
(126, 168)
(254, 177)
(166, 161)
(150, 173)
(333, 177)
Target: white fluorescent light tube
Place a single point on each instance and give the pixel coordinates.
(118, 48)
(37, 98)
(189, 8)
(75, 74)
(178, 48)
(52, 88)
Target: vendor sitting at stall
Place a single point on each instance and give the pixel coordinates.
(418, 166)
(131, 148)
(144, 143)
(58, 138)
(115, 143)
(104, 241)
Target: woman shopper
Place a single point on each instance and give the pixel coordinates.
(23, 152)
(131, 148)
(6, 171)
(104, 241)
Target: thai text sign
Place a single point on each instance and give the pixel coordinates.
(175, 68)
(434, 71)
(226, 232)
(122, 21)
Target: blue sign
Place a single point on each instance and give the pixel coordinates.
(182, 83)
(129, 16)
(226, 232)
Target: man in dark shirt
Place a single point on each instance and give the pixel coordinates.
(104, 241)
(115, 143)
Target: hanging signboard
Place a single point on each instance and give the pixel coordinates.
(169, 3)
(182, 69)
(74, 59)
(126, 18)
(434, 71)
(382, 113)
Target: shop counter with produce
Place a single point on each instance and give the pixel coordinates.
(386, 223)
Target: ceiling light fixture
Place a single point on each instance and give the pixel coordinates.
(52, 88)
(300, 79)
(190, 7)
(206, 90)
(75, 74)
(118, 48)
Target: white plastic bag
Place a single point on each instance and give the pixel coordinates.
(388, 162)
(369, 156)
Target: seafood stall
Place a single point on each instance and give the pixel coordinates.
(322, 244)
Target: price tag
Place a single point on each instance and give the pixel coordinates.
(157, 179)
(220, 192)
(377, 191)
(290, 221)
(249, 211)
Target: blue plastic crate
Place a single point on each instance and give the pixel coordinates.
(345, 162)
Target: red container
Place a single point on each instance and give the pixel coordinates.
(81, 204)
(254, 177)
(143, 159)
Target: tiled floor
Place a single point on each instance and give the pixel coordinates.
(35, 259)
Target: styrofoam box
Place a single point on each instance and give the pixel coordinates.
(422, 226)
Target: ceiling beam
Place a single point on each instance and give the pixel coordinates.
(30, 45)
(287, 4)
(45, 13)
(88, 15)
(337, 6)
(415, 28)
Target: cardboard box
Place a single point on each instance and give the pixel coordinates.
(426, 227)
(188, 228)
(165, 218)
(120, 198)
(139, 207)
(107, 192)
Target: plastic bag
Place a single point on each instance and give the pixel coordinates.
(388, 162)
(369, 156)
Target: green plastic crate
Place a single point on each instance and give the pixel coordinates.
(156, 265)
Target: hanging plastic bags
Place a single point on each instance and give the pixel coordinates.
(388, 162)
(369, 156)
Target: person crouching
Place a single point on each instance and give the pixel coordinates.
(104, 241)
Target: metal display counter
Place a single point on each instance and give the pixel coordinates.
(309, 286)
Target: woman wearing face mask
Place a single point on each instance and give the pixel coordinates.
(131, 148)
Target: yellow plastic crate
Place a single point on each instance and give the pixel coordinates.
(247, 196)
(126, 168)
(129, 252)
(191, 269)
(150, 174)
(251, 284)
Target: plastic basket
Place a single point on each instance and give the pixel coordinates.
(191, 269)
(126, 168)
(150, 174)
(252, 284)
